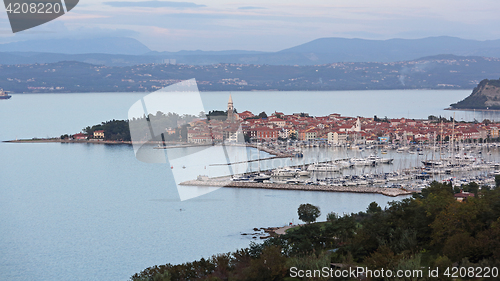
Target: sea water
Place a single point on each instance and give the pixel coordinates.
(94, 212)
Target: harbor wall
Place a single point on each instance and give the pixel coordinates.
(393, 192)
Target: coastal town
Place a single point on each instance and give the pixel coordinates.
(429, 149)
(336, 129)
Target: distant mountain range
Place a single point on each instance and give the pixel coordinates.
(121, 51)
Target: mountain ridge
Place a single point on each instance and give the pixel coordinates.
(122, 51)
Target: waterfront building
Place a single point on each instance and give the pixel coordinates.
(337, 138)
(80, 136)
(99, 134)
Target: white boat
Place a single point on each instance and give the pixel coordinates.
(323, 167)
(4, 96)
(432, 163)
(362, 162)
(261, 177)
(240, 178)
(302, 173)
(402, 149)
(344, 163)
(284, 172)
(380, 160)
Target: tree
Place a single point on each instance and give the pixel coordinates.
(331, 217)
(373, 208)
(497, 180)
(308, 213)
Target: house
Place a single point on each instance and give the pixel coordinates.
(80, 136)
(310, 134)
(462, 196)
(337, 138)
(266, 133)
(245, 114)
(99, 134)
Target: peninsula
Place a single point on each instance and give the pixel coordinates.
(485, 96)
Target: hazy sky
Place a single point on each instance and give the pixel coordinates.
(266, 26)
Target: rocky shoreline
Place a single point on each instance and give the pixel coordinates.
(263, 232)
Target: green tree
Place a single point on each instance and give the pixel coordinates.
(332, 217)
(373, 208)
(308, 213)
(497, 180)
(270, 265)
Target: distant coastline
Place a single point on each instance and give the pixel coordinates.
(470, 109)
(402, 75)
(55, 140)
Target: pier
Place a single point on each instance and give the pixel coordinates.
(227, 182)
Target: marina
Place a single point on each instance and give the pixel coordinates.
(401, 170)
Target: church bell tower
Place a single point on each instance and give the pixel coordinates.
(230, 109)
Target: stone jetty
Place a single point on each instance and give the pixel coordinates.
(227, 182)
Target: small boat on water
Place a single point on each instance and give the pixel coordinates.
(260, 177)
(4, 96)
(241, 178)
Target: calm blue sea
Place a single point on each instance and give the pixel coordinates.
(94, 212)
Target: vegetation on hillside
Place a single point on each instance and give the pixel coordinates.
(120, 129)
(476, 100)
(113, 130)
(430, 229)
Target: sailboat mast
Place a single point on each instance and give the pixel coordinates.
(453, 140)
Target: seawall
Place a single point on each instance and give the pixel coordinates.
(226, 182)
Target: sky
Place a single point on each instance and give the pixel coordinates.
(265, 25)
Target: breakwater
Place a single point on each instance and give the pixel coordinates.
(227, 182)
(58, 140)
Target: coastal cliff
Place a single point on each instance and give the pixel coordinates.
(486, 95)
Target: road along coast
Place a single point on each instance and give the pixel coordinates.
(227, 182)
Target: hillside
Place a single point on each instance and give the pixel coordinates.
(438, 72)
(485, 96)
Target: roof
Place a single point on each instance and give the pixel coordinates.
(463, 194)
